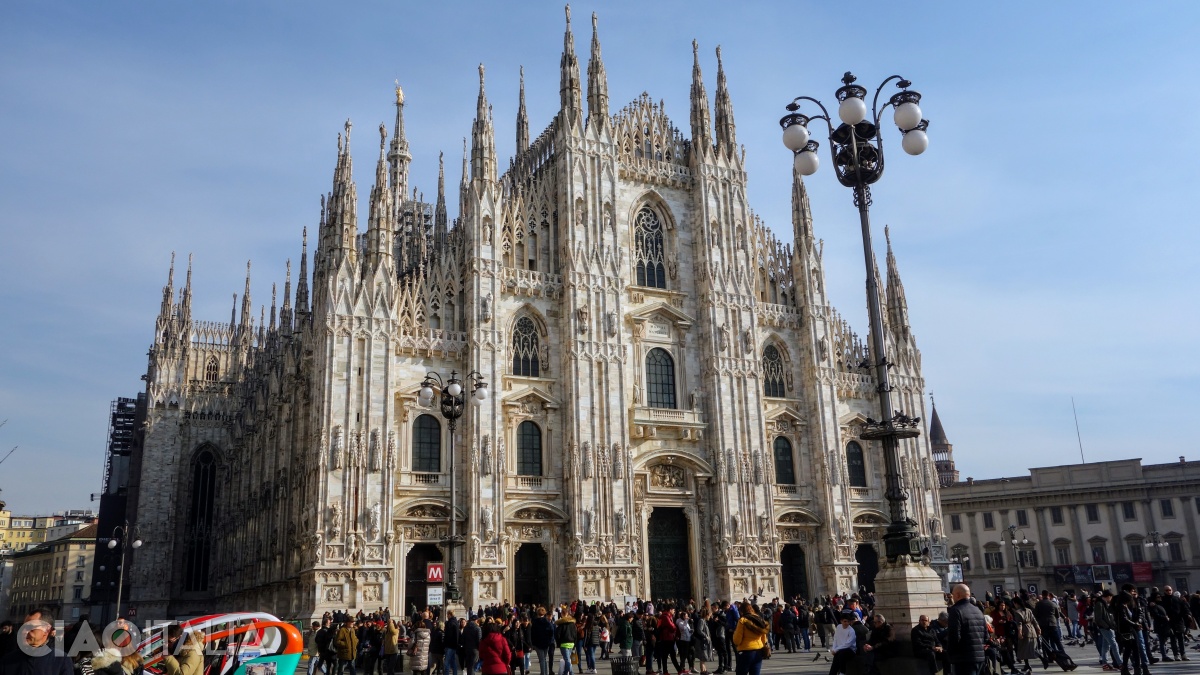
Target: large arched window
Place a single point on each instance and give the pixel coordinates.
(772, 365)
(198, 552)
(648, 249)
(212, 370)
(660, 379)
(785, 466)
(529, 449)
(525, 349)
(427, 444)
(855, 465)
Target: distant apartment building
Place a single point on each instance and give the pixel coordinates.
(57, 574)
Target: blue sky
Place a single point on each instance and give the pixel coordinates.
(1046, 239)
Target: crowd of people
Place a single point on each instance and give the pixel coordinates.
(1004, 635)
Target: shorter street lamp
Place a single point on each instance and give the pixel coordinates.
(958, 553)
(120, 535)
(1154, 540)
(1016, 541)
(453, 404)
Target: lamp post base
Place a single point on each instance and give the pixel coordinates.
(906, 589)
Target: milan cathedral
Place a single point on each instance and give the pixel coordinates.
(675, 407)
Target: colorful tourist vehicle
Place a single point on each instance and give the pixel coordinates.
(240, 643)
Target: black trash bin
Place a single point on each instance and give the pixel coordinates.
(624, 665)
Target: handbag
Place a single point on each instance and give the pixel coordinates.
(765, 651)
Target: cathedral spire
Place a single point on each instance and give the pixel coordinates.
(342, 213)
(302, 282)
(399, 157)
(568, 87)
(168, 297)
(273, 307)
(379, 217)
(522, 119)
(897, 304)
(185, 310)
(483, 139)
(801, 211)
(701, 122)
(285, 313)
(440, 219)
(246, 306)
(463, 182)
(597, 81)
(726, 137)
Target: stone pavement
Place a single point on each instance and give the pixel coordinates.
(790, 664)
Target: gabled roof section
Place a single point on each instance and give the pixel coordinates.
(665, 310)
(532, 391)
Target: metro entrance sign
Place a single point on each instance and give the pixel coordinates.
(435, 573)
(434, 596)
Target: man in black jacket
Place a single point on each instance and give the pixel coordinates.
(966, 633)
(1178, 614)
(925, 643)
(469, 645)
(36, 656)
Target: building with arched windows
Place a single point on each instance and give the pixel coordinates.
(676, 408)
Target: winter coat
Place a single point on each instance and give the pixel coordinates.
(495, 654)
(1027, 634)
(469, 637)
(564, 632)
(666, 630)
(419, 650)
(750, 634)
(623, 634)
(109, 662)
(190, 657)
(923, 641)
(541, 633)
(703, 640)
(346, 643)
(452, 636)
(965, 634)
(391, 640)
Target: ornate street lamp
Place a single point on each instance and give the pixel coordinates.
(1016, 537)
(120, 535)
(453, 404)
(856, 147)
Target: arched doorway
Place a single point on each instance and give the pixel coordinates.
(868, 566)
(414, 574)
(531, 575)
(669, 552)
(795, 573)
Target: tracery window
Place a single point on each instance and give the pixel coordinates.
(856, 465)
(525, 349)
(427, 444)
(212, 370)
(198, 554)
(660, 379)
(529, 449)
(772, 365)
(648, 249)
(785, 468)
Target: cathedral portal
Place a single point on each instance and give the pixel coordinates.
(668, 545)
(418, 559)
(532, 578)
(795, 572)
(868, 566)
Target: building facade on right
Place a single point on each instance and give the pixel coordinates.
(1079, 526)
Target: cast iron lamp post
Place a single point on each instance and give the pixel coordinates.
(1015, 540)
(120, 535)
(856, 147)
(453, 404)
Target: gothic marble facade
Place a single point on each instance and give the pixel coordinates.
(615, 290)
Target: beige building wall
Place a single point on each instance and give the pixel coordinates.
(1088, 526)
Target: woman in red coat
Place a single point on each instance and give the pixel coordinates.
(494, 651)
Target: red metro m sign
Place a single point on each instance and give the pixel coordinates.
(434, 574)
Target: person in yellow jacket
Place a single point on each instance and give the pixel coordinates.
(186, 658)
(750, 639)
(346, 643)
